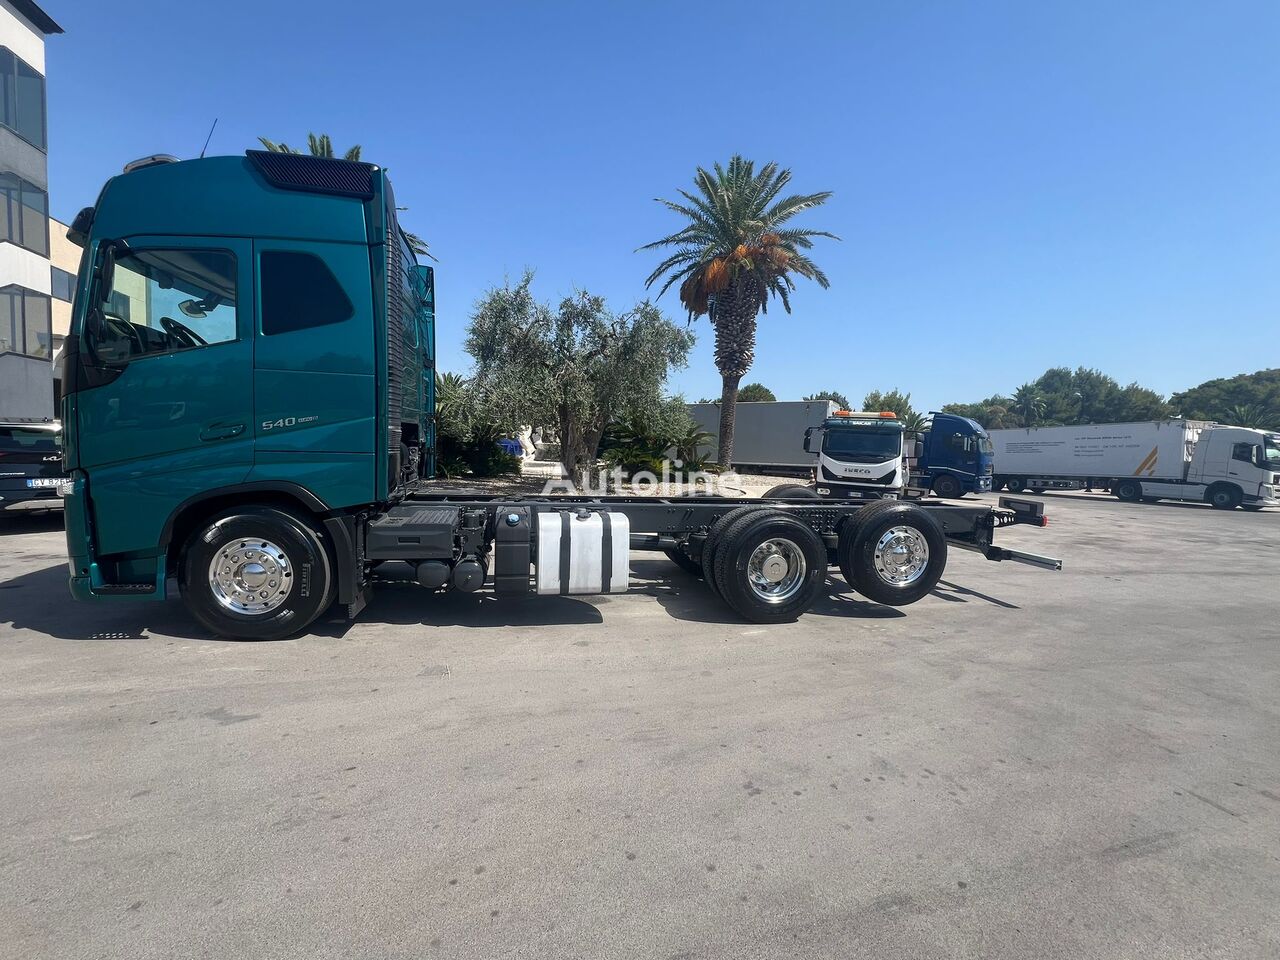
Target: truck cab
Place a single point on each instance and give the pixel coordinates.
(243, 327)
(859, 455)
(956, 456)
(1233, 466)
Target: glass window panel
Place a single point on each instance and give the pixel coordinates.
(35, 219)
(299, 292)
(29, 99)
(8, 79)
(11, 212)
(39, 333)
(162, 301)
(10, 323)
(62, 283)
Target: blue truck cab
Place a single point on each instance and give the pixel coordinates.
(955, 457)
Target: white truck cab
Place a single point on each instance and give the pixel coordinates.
(859, 455)
(1229, 467)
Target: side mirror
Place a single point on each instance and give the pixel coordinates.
(917, 450)
(106, 272)
(808, 438)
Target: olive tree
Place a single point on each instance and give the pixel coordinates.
(575, 367)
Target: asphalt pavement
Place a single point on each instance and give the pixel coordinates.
(1025, 764)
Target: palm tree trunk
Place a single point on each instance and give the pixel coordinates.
(735, 322)
(728, 418)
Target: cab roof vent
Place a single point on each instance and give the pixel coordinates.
(296, 171)
(151, 161)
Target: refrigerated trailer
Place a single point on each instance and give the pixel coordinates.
(249, 412)
(1174, 459)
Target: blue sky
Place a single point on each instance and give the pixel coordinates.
(1017, 185)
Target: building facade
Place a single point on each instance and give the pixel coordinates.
(26, 271)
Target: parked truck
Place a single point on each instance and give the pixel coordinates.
(954, 457)
(1194, 460)
(249, 408)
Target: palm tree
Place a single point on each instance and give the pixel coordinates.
(1028, 402)
(731, 257)
(322, 146)
(1256, 415)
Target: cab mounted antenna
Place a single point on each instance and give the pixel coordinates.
(208, 138)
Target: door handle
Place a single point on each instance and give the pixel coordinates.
(221, 431)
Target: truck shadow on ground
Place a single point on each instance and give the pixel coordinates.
(39, 601)
(686, 597)
(50, 522)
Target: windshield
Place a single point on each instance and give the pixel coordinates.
(28, 440)
(1271, 450)
(985, 445)
(862, 446)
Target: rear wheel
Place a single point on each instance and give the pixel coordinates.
(770, 567)
(1224, 496)
(895, 556)
(1128, 490)
(947, 487)
(790, 491)
(712, 543)
(257, 573)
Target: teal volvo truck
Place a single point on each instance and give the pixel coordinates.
(248, 415)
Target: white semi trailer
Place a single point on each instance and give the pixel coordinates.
(1225, 466)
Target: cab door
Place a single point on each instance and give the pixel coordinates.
(164, 409)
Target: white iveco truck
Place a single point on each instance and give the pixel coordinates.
(1225, 466)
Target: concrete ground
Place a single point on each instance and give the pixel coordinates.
(1026, 765)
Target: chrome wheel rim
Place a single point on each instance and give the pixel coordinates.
(775, 570)
(902, 554)
(251, 576)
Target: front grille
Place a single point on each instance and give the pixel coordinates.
(837, 478)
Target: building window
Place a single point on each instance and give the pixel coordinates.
(24, 214)
(62, 284)
(22, 107)
(299, 292)
(25, 323)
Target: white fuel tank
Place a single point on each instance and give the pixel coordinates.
(583, 552)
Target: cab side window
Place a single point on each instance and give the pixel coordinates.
(163, 301)
(1244, 452)
(299, 292)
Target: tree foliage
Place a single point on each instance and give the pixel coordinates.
(467, 431)
(734, 252)
(1248, 396)
(575, 367)
(756, 393)
(838, 398)
(1064, 396)
(897, 402)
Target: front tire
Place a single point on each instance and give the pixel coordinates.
(948, 488)
(1224, 497)
(1015, 485)
(257, 573)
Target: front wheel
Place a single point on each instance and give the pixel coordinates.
(790, 491)
(948, 488)
(257, 573)
(1225, 497)
(894, 557)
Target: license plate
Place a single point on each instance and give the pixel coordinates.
(44, 482)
